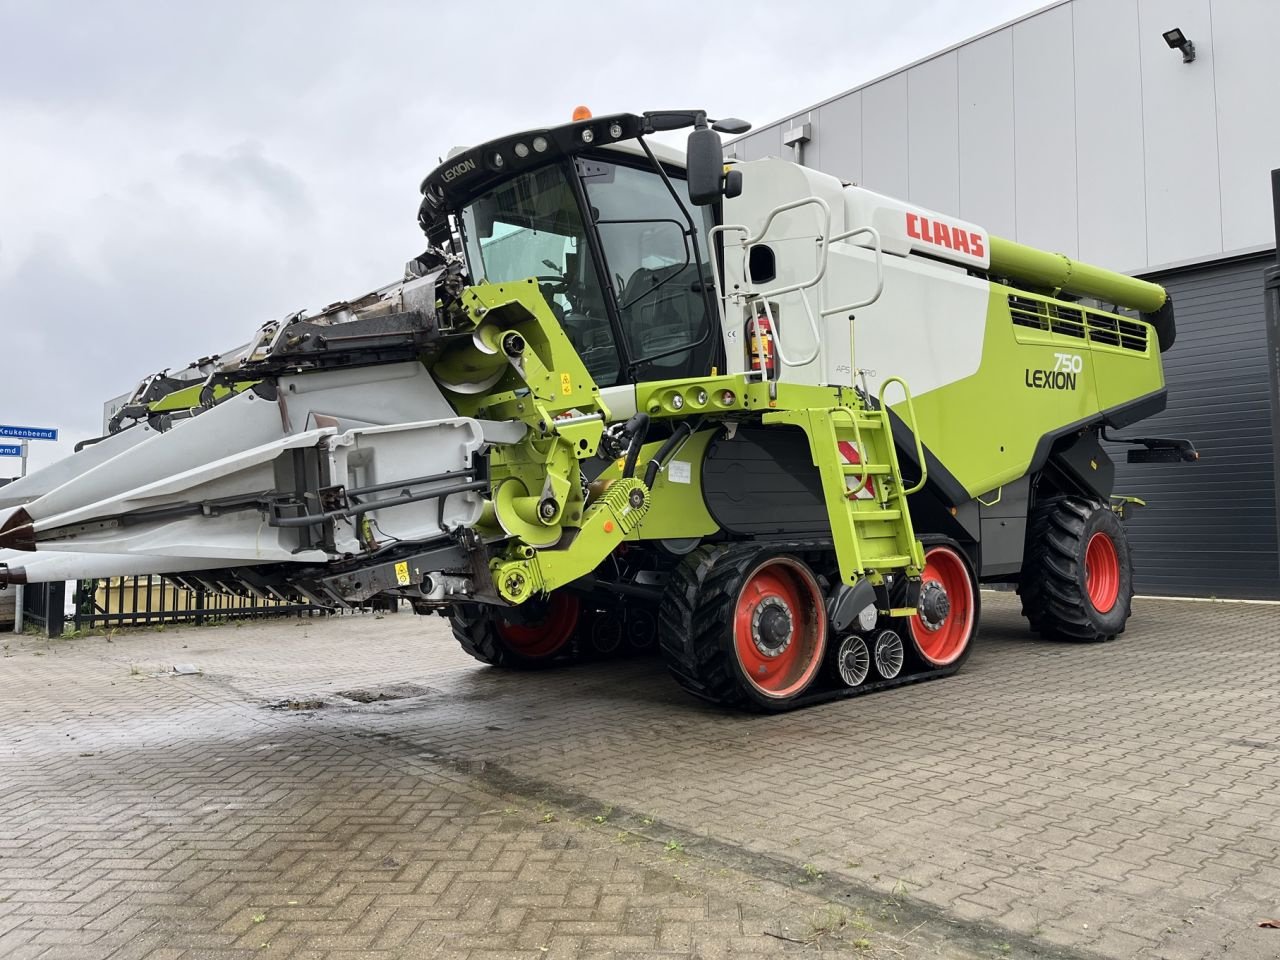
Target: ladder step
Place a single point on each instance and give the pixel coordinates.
(895, 561)
(867, 516)
(870, 469)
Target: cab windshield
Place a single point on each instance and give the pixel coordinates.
(648, 320)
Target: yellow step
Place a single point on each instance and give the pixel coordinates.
(867, 516)
(869, 469)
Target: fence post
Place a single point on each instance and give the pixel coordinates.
(55, 609)
(200, 606)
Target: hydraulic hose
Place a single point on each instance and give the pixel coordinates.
(677, 436)
(637, 428)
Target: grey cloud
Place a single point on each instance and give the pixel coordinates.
(243, 172)
(176, 174)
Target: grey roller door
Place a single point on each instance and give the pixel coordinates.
(1210, 527)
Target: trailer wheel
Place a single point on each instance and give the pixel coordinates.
(1077, 577)
(948, 618)
(534, 639)
(742, 626)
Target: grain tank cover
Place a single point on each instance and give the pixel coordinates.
(905, 229)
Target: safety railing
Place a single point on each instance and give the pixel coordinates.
(757, 300)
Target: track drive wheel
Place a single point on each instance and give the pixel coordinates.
(1077, 572)
(943, 630)
(529, 636)
(742, 626)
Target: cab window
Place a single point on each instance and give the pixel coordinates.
(653, 267)
(531, 226)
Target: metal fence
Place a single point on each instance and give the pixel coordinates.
(140, 602)
(152, 600)
(42, 607)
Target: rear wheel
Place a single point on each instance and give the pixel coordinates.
(742, 626)
(1077, 576)
(532, 635)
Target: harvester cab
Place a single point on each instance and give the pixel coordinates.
(777, 426)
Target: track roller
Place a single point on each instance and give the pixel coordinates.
(852, 661)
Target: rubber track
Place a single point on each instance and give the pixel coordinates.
(1052, 600)
(701, 597)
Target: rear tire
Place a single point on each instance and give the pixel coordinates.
(533, 638)
(744, 627)
(1077, 575)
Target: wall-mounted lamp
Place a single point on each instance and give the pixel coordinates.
(1177, 40)
(796, 138)
(799, 134)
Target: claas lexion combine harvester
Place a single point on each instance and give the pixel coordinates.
(776, 425)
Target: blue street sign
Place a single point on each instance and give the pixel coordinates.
(10, 449)
(28, 433)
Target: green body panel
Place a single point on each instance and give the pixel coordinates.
(679, 510)
(1031, 382)
(190, 397)
(1053, 271)
(524, 572)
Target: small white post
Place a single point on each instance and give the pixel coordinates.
(19, 589)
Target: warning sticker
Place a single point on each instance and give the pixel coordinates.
(402, 573)
(566, 384)
(680, 471)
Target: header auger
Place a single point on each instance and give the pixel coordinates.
(776, 425)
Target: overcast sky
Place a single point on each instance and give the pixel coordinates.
(174, 175)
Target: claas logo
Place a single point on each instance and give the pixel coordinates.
(944, 235)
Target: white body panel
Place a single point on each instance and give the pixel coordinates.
(49, 567)
(928, 323)
(367, 421)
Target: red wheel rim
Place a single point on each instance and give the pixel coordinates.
(1102, 572)
(545, 636)
(779, 628)
(943, 644)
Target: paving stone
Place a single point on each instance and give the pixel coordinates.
(1126, 786)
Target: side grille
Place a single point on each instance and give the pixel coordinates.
(1100, 328)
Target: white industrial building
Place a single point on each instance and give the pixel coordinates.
(1085, 128)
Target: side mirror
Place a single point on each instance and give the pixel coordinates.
(705, 166)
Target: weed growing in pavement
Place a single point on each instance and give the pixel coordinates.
(548, 818)
(811, 872)
(674, 846)
(829, 920)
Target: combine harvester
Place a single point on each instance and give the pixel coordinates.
(777, 424)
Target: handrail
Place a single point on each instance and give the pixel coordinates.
(856, 305)
(913, 426)
(751, 300)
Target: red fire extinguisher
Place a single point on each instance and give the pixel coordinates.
(759, 335)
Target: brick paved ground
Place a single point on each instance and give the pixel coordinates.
(1050, 800)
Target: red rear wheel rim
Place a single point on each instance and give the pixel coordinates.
(547, 635)
(780, 663)
(943, 644)
(1102, 572)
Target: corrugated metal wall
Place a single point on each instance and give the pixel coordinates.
(1210, 527)
(1076, 129)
